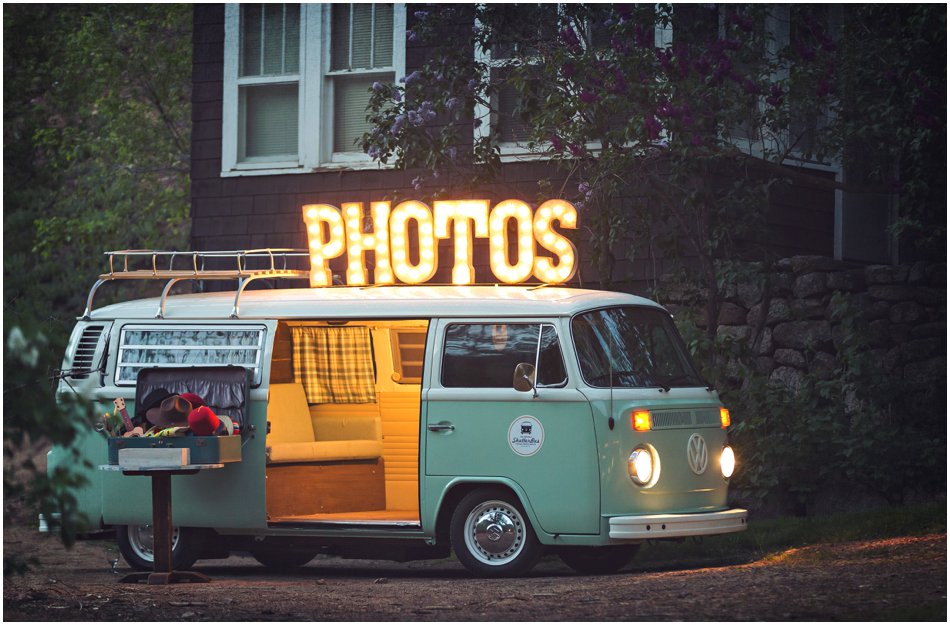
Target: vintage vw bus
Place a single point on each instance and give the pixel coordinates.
(399, 422)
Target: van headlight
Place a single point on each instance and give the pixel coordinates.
(727, 462)
(643, 466)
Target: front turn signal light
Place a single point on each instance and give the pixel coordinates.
(641, 420)
(724, 417)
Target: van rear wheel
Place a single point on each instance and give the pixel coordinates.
(492, 536)
(137, 546)
(598, 560)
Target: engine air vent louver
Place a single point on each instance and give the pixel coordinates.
(85, 352)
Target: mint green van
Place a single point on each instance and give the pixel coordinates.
(402, 422)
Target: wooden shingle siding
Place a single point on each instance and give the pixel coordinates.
(241, 212)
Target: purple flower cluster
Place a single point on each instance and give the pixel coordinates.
(415, 76)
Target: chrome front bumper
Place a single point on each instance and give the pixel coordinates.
(677, 525)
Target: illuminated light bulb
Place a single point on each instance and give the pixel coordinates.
(321, 251)
(553, 241)
(498, 242)
(422, 221)
(466, 216)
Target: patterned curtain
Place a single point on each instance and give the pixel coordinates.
(334, 365)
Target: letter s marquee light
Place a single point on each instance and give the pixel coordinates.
(541, 251)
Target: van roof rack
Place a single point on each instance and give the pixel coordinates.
(161, 265)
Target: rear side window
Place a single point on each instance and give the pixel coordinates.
(484, 355)
(177, 346)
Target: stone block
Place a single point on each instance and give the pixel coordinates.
(905, 312)
(809, 309)
(782, 284)
(921, 349)
(763, 365)
(891, 292)
(878, 333)
(765, 343)
(802, 334)
(808, 264)
(937, 275)
(917, 273)
(850, 281)
(930, 297)
(823, 366)
(789, 378)
(779, 311)
(875, 310)
(810, 285)
(886, 274)
(732, 315)
(927, 372)
(934, 329)
(736, 333)
(789, 358)
(899, 332)
(749, 294)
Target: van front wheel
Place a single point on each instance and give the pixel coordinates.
(137, 546)
(491, 534)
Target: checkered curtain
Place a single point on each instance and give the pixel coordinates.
(334, 365)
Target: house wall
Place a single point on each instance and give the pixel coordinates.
(248, 212)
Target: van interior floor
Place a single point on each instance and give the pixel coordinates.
(369, 517)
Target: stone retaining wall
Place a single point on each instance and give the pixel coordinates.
(791, 326)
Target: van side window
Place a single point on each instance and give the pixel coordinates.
(484, 355)
(178, 346)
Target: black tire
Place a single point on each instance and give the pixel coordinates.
(491, 534)
(598, 560)
(282, 559)
(136, 546)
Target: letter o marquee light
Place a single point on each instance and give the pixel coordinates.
(540, 250)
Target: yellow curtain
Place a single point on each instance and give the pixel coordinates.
(334, 365)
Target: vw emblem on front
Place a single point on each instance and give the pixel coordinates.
(697, 454)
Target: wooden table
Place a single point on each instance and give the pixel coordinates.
(163, 572)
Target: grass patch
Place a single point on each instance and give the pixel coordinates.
(768, 538)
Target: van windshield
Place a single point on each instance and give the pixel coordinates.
(632, 347)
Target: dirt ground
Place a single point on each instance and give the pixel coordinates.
(894, 579)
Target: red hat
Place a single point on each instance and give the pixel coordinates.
(202, 421)
(193, 399)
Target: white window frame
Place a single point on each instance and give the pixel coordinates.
(315, 95)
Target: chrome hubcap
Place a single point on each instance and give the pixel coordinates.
(494, 532)
(142, 541)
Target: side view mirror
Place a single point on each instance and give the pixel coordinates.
(523, 379)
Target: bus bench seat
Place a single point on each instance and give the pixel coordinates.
(319, 433)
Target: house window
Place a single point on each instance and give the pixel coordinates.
(297, 79)
(502, 117)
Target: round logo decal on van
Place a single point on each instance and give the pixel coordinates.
(525, 436)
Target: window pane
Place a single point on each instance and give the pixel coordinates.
(631, 348)
(155, 347)
(350, 99)
(270, 120)
(361, 43)
(251, 19)
(485, 355)
(371, 44)
(340, 53)
(511, 128)
(383, 37)
(270, 39)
